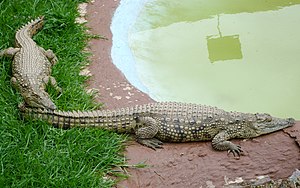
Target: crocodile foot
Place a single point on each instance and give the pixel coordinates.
(235, 150)
(152, 143)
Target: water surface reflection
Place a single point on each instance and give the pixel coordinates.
(235, 54)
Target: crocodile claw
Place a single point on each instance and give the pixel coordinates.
(236, 151)
(152, 143)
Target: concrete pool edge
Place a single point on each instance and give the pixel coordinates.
(121, 54)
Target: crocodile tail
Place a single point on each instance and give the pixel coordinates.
(28, 30)
(105, 119)
(33, 26)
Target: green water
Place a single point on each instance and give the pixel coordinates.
(239, 55)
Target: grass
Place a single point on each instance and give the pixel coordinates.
(32, 154)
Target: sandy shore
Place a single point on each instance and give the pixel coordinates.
(187, 164)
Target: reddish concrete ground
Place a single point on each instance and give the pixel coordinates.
(184, 164)
(114, 89)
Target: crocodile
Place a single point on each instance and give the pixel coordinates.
(31, 66)
(155, 123)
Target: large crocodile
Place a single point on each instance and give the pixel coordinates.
(169, 121)
(31, 66)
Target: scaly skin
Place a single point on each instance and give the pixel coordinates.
(31, 67)
(169, 121)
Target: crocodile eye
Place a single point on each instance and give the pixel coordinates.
(269, 118)
(263, 117)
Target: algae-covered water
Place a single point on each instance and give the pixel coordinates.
(239, 55)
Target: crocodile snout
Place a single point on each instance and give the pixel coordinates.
(291, 121)
(49, 105)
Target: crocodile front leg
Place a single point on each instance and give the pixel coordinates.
(14, 83)
(145, 135)
(220, 142)
(52, 81)
(9, 52)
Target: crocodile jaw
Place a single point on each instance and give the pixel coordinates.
(273, 125)
(39, 99)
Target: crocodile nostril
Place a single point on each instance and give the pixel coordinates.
(51, 106)
(291, 121)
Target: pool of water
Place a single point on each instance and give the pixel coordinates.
(239, 55)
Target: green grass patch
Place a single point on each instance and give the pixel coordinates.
(33, 154)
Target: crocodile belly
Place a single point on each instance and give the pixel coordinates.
(181, 133)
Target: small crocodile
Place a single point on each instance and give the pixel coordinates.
(169, 121)
(31, 67)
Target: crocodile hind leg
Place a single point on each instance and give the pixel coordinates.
(50, 55)
(145, 135)
(9, 52)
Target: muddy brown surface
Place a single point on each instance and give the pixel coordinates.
(182, 164)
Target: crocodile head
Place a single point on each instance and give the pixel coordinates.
(261, 123)
(38, 99)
